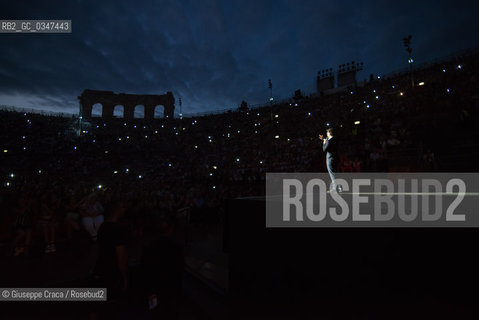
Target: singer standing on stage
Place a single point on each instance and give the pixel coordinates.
(330, 146)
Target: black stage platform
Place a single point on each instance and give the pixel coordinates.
(344, 272)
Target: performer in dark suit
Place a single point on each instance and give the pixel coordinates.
(330, 146)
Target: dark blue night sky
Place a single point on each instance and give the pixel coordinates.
(216, 53)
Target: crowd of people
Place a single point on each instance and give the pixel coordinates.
(56, 181)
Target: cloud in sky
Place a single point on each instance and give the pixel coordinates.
(216, 53)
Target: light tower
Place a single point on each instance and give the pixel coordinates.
(270, 85)
(80, 120)
(181, 112)
(407, 44)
